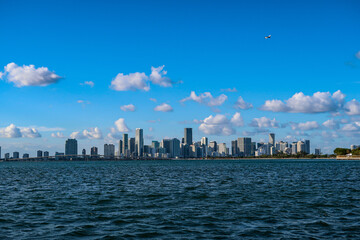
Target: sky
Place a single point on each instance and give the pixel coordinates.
(92, 70)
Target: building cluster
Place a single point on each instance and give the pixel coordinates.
(133, 147)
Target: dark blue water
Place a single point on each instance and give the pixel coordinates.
(180, 200)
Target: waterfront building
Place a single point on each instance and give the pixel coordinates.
(253, 148)
(175, 148)
(204, 141)
(155, 145)
(300, 148)
(213, 146)
(46, 154)
(71, 147)
(234, 148)
(16, 155)
(294, 148)
(84, 152)
(109, 150)
(272, 139)
(132, 146)
(188, 136)
(222, 149)
(139, 142)
(94, 151)
(307, 146)
(7, 156)
(39, 153)
(125, 143)
(26, 155)
(244, 146)
(317, 151)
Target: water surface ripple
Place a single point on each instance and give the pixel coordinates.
(225, 199)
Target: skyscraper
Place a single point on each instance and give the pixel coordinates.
(139, 142)
(234, 148)
(188, 136)
(71, 147)
(132, 146)
(121, 143)
(244, 145)
(272, 139)
(16, 154)
(94, 151)
(39, 153)
(204, 141)
(125, 143)
(175, 147)
(109, 150)
(307, 146)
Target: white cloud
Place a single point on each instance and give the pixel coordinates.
(220, 124)
(305, 126)
(237, 120)
(331, 124)
(12, 131)
(352, 107)
(158, 77)
(57, 135)
(132, 82)
(121, 125)
(355, 126)
(264, 122)
(83, 102)
(229, 90)
(92, 133)
(24, 75)
(240, 103)
(128, 108)
(153, 99)
(300, 103)
(206, 98)
(164, 107)
(89, 83)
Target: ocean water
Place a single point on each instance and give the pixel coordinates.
(225, 199)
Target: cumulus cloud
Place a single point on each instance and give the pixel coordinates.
(305, 126)
(12, 131)
(264, 122)
(89, 83)
(355, 126)
(120, 127)
(352, 107)
(300, 103)
(331, 124)
(229, 90)
(131, 82)
(153, 99)
(158, 77)
(57, 135)
(128, 108)
(206, 98)
(163, 108)
(237, 120)
(24, 75)
(220, 124)
(240, 103)
(92, 133)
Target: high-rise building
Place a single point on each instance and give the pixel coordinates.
(139, 142)
(317, 151)
(204, 141)
(46, 154)
(253, 148)
(244, 145)
(175, 147)
(300, 148)
(0, 152)
(222, 149)
(84, 152)
(213, 145)
(165, 143)
(109, 150)
(294, 148)
(272, 139)
(188, 139)
(16, 154)
(307, 146)
(7, 156)
(121, 143)
(25, 155)
(234, 148)
(71, 147)
(132, 146)
(94, 151)
(125, 144)
(39, 153)
(155, 145)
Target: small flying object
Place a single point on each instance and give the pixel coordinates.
(266, 37)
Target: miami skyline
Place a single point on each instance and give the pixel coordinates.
(93, 72)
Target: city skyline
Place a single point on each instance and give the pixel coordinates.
(94, 79)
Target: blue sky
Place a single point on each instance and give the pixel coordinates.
(205, 46)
